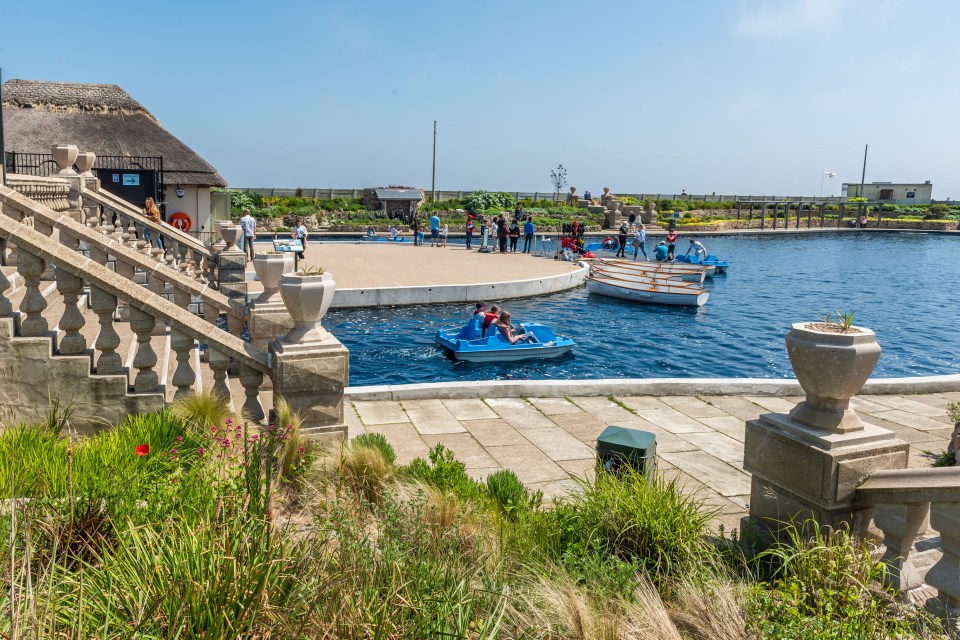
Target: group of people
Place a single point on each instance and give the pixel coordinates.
(508, 235)
(499, 320)
(249, 226)
(498, 232)
(438, 234)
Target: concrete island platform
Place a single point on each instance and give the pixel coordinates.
(371, 274)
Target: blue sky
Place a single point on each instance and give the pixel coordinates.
(725, 96)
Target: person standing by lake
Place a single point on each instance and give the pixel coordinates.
(639, 242)
(434, 230)
(249, 225)
(417, 240)
(502, 233)
(469, 230)
(529, 232)
(622, 241)
(300, 233)
(671, 244)
(443, 235)
(514, 233)
(699, 251)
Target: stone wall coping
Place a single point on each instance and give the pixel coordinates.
(635, 386)
(116, 248)
(911, 486)
(38, 244)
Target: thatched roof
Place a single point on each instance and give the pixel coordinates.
(101, 118)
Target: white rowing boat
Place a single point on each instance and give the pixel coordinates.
(684, 296)
(612, 269)
(688, 272)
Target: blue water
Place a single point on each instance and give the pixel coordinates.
(904, 286)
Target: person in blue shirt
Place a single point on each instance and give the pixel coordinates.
(528, 232)
(434, 230)
(660, 253)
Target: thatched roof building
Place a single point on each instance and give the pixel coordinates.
(101, 118)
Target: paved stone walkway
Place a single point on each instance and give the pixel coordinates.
(548, 441)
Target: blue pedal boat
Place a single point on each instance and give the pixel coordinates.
(710, 260)
(382, 239)
(470, 344)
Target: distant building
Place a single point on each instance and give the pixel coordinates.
(892, 192)
(127, 139)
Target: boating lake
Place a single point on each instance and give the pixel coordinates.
(904, 286)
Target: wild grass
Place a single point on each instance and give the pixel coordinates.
(188, 541)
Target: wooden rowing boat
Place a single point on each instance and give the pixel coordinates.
(652, 293)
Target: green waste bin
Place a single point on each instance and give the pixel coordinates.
(618, 446)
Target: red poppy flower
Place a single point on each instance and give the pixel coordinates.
(142, 449)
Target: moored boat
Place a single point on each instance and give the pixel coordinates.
(471, 344)
(652, 273)
(686, 272)
(652, 293)
(711, 261)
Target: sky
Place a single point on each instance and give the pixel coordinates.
(725, 96)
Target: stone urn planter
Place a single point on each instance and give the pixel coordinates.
(307, 298)
(65, 155)
(231, 235)
(270, 267)
(832, 365)
(85, 162)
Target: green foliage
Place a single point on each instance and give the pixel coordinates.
(376, 441)
(828, 585)
(238, 200)
(480, 201)
(938, 209)
(856, 199)
(650, 521)
(510, 496)
(446, 473)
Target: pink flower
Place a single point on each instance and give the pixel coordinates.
(201, 451)
(142, 450)
(179, 438)
(255, 437)
(229, 422)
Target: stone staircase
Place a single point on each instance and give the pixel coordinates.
(93, 315)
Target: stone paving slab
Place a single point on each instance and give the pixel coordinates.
(549, 441)
(432, 417)
(381, 412)
(555, 406)
(469, 409)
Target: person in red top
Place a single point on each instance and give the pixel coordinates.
(490, 317)
(671, 244)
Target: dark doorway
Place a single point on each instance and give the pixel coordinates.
(886, 194)
(132, 185)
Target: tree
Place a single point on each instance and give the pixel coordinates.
(559, 179)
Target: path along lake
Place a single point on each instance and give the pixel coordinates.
(904, 286)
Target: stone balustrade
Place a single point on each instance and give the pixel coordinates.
(309, 373)
(903, 502)
(118, 237)
(37, 249)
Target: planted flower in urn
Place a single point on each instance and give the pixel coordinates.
(832, 359)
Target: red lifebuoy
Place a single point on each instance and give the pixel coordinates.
(181, 221)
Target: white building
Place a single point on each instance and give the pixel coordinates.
(892, 192)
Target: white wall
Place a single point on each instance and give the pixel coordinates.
(195, 203)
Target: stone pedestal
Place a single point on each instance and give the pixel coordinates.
(231, 274)
(800, 472)
(312, 376)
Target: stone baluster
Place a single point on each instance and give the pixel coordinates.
(143, 324)
(210, 270)
(198, 270)
(71, 287)
(108, 228)
(31, 267)
(219, 362)
(6, 307)
(170, 253)
(130, 234)
(184, 376)
(183, 260)
(945, 574)
(251, 379)
(901, 524)
(105, 306)
(181, 297)
(140, 244)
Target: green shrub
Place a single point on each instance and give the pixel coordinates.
(376, 441)
(828, 585)
(509, 495)
(480, 201)
(652, 522)
(446, 473)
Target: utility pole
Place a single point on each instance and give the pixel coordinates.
(864, 174)
(433, 178)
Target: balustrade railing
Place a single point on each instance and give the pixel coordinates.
(903, 502)
(171, 260)
(30, 227)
